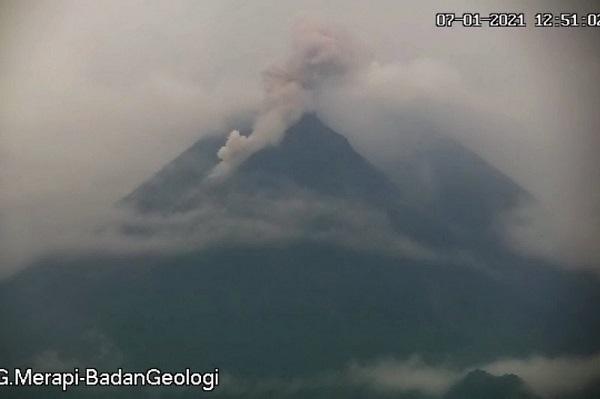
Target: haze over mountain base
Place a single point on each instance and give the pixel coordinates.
(311, 273)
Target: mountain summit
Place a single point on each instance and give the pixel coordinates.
(312, 158)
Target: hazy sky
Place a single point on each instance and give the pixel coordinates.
(97, 96)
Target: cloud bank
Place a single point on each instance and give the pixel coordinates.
(550, 377)
(97, 97)
(547, 377)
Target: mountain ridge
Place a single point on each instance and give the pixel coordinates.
(467, 196)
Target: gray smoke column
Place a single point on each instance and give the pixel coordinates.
(319, 54)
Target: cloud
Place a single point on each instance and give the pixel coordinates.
(387, 376)
(255, 219)
(551, 377)
(404, 103)
(547, 377)
(404, 376)
(100, 352)
(569, 237)
(97, 97)
(93, 106)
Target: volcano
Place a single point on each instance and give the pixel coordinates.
(310, 156)
(301, 308)
(314, 158)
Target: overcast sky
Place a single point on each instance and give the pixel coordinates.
(97, 96)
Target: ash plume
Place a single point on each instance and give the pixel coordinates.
(319, 54)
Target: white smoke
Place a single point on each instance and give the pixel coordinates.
(319, 54)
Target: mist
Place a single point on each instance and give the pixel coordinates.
(98, 97)
(548, 377)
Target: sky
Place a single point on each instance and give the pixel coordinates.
(98, 96)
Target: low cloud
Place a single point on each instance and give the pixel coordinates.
(547, 377)
(236, 219)
(570, 238)
(404, 103)
(97, 97)
(404, 376)
(243, 219)
(100, 352)
(551, 376)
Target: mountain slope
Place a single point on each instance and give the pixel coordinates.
(454, 184)
(301, 307)
(288, 312)
(313, 158)
(180, 177)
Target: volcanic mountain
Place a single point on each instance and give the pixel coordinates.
(313, 158)
(301, 308)
(310, 156)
